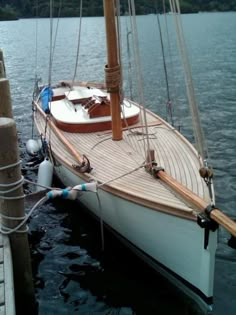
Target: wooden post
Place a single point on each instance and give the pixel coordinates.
(5, 99)
(2, 65)
(24, 291)
(2, 72)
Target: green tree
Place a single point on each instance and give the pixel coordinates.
(32, 8)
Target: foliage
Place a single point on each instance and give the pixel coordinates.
(7, 13)
(32, 8)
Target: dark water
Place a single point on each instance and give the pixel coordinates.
(72, 274)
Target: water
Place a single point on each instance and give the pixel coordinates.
(72, 275)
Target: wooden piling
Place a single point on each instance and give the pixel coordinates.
(5, 99)
(2, 65)
(2, 72)
(24, 291)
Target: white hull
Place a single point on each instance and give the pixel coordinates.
(172, 244)
(149, 215)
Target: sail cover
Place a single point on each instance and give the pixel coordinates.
(46, 97)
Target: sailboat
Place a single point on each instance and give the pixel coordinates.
(155, 189)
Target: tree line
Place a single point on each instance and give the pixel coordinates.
(13, 9)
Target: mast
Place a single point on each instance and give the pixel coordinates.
(112, 69)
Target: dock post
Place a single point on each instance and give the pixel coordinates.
(10, 173)
(2, 65)
(5, 99)
(5, 94)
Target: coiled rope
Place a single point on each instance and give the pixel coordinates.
(9, 188)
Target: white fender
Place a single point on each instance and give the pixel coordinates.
(33, 146)
(87, 187)
(72, 193)
(45, 174)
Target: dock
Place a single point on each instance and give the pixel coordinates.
(7, 296)
(16, 293)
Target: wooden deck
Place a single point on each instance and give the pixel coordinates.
(7, 299)
(117, 159)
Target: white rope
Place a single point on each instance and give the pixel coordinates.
(5, 230)
(12, 198)
(15, 185)
(12, 187)
(123, 175)
(42, 186)
(3, 168)
(7, 217)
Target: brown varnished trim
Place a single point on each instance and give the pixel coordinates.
(93, 127)
(66, 83)
(198, 202)
(59, 134)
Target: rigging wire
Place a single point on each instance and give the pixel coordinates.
(119, 45)
(36, 42)
(197, 128)
(78, 44)
(36, 80)
(50, 44)
(136, 75)
(128, 33)
(174, 100)
(169, 102)
(57, 26)
(139, 73)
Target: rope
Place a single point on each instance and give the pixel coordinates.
(39, 185)
(17, 185)
(5, 230)
(3, 168)
(12, 187)
(113, 78)
(123, 175)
